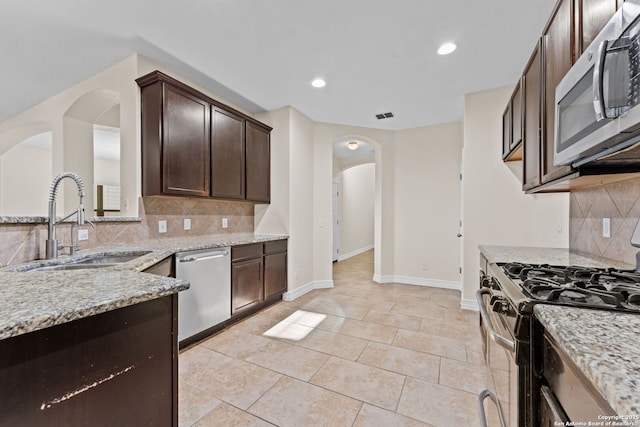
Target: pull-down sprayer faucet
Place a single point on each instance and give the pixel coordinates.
(52, 245)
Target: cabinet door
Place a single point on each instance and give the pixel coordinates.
(516, 117)
(531, 121)
(558, 55)
(275, 274)
(185, 143)
(258, 160)
(593, 15)
(227, 154)
(506, 131)
(246, 284)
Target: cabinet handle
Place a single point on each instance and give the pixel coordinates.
(196, 259)
(497, 338)
(483, 416)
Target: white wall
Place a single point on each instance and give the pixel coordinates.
(62, 114)
(427, 200)
(495, 211)
(25, 179)
(291, 209)
(356, 209)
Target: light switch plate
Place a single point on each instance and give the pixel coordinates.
(162, 226)
(83, 234)
(187, 224)
(225, 223)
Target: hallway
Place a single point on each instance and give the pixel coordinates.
(360, 354)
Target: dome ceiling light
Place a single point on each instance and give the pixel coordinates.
(447, 48)
(318, 83)
(352, 145)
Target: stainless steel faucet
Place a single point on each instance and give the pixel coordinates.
(52, 246)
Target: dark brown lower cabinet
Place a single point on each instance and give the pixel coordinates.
(117, 368)
(246, 284)
(275, 275)
(258, 276)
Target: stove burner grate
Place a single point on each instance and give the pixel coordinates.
(578, 286)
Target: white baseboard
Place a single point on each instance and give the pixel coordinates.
(419, 281)
(301, 290)
(469, 304)
(354, 253)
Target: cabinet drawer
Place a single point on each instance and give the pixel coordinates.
(275, 247)
(252, 250)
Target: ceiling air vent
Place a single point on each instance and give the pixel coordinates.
(384, 115)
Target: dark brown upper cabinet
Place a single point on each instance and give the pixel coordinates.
(557, 41)
(531, 86)
(512, 127)
(193, 145)
(258, 163)
(591, 17)
(572, 26)
(227, 154)
(175, 141)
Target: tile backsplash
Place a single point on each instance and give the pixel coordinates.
(618, 201)
(25, 242)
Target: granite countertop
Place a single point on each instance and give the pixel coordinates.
(554, 256)
(604, 345)
(34, 300)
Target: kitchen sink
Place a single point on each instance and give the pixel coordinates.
(98, 261)
(109, 259)
(72, 267)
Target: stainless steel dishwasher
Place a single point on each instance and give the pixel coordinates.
(207, 302)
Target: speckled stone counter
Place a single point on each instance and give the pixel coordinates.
(34, 300)
(604, 345)
(554, 256)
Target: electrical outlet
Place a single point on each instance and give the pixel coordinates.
(187, 224)
(606, 227)
(162, 226)
(125, 205)
(83, 234)
(423, 266)
(225, 222)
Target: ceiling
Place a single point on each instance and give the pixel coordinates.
(376, 56)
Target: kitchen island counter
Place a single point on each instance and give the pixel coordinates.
(604, 346)
(33, 300)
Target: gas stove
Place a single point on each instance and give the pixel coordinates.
(576, 286)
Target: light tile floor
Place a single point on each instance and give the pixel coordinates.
(361, 354)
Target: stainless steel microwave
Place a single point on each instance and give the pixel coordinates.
(597, 115)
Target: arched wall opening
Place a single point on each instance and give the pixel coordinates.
(372, 156)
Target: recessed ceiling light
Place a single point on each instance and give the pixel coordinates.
(318, 83)
(447, 48)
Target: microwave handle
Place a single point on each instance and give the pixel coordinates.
(598, 89)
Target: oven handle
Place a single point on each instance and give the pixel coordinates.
(598, 89)
(483, 416)
(498, 339)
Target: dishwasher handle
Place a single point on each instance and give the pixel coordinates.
(203, 258)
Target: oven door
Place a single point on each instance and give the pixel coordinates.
(502, 372)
